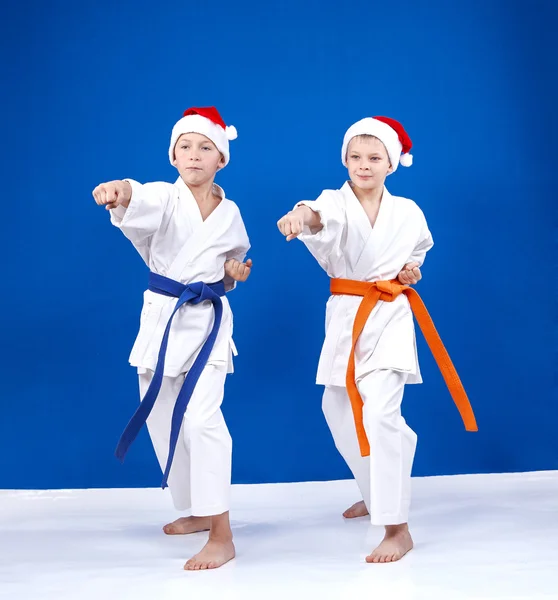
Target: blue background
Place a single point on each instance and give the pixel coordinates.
(92, 91)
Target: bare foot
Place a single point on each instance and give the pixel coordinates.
(186, 525)
(213, 555)
(357, 510)
(396, 543)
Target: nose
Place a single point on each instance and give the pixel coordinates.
(194, 155)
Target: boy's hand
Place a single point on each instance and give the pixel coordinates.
(112, 194)
(237, 270)
(292, 224)
(410, 274)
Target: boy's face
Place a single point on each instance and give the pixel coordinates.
(197, 158)
(368, 162)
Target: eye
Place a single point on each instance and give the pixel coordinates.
(354, 156)
(206, 148)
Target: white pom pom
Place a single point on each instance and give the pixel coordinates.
(231, 132)
(406, 160)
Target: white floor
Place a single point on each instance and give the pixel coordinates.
(477, 536)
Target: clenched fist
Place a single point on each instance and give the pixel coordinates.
(112, 194)
(237, 270)
(410, 274)
(292, 224)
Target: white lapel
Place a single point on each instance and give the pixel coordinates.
(381, 227)
(356, 215)
(372, 237)
(202, 230)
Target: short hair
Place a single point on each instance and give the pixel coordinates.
(367, 136)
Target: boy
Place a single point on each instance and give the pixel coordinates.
(193, 240)
(363, 236)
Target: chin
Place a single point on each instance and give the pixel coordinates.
(194, 178)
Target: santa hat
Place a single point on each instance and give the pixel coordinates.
(206, 121)
(390, 132)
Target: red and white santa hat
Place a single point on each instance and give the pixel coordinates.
(390, 132)
(206, 121)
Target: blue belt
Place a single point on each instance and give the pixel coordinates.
(193, 293)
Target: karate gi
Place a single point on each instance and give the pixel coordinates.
(348, 247)
(165, 225)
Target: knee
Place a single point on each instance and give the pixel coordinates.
(195, 422)
(376, 416)
(325, 407)
(330, 404)
(204, 426)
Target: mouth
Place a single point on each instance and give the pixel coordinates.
(193, 169)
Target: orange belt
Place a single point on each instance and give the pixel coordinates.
(387, 291)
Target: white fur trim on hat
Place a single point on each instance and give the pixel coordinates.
(383, 132)
(198, 124)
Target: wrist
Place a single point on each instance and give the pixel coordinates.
(127, 193)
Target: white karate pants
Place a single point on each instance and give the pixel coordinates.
(200, 476)
(384, 478)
